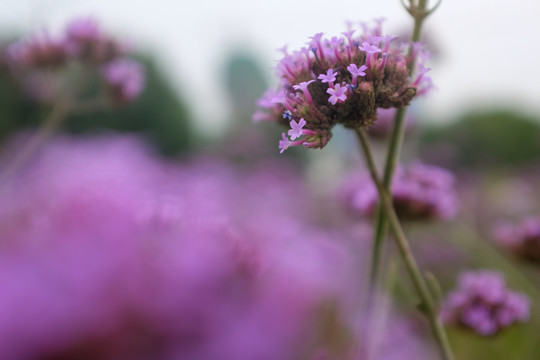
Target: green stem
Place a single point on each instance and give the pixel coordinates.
(427, 303)
(396, 142)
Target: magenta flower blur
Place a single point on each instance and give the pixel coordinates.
(349, 79)
(83, 45)
(88, 42)
(39, 51)
(83, 30)
(420, 192)
(124, 78)
(110, 253)
(522, 238)
(482, 303)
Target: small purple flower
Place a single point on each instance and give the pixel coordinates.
(483, 304)
(284, 143)
(316, 43)
(335, 42)
(337, 94)
(369, 48)
(348, 35)
(125, 79)
(303, 86)
(356, 72)
(329, 78)
(296, 128)
(371, 52)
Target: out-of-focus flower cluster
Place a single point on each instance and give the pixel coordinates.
(522, 239)
(481, 302)
(420, 192)
(106, 253)
(38, 60)
(342, 80)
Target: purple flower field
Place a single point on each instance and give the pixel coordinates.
(130, 229)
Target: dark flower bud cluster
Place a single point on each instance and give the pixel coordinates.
(522, 238)
(83, 41)
(420, 192)
(341, 80)
(483, 303)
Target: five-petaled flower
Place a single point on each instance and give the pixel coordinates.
(296, 128)
(284, 144)
(329, 78)
(356, 71)
(337, 94)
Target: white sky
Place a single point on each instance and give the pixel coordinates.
(490, 47)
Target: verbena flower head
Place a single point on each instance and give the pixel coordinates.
(482, 303)
(420, 192)
(124, 78)
(343, 81)
(522, 238)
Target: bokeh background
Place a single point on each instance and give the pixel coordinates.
(208, 61)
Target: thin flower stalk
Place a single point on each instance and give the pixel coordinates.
(427, 305)
(396, 141)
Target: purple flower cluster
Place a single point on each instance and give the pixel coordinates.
(341, 80)
(106, 253)
(420, 192)
(39, 51)
(522, 239)
(483, 304)
(125, 79)
(82, 41)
